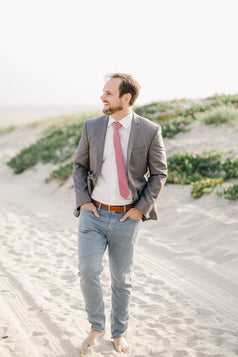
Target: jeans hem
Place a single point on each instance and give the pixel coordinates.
(98, 330)
(121, 335)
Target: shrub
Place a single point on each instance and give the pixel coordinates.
(172, 127)
(56, 147)
(219, 115)
(230, 167)
(195, 166)
(62, 136)
(226, 99)
(7, 129)
(204, 186)
(230, 193)
(170, 110)
(190, 168)
(61, 174)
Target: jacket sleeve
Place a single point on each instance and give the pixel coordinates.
(158, 172)
(80, 171)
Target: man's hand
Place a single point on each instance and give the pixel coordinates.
(90, 207)
(133, 213)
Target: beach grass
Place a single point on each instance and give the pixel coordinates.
(219, 115)
(48, 125)
(176, 115)
(61, 174)
(7, 129)
(56, 146)
(60, 137)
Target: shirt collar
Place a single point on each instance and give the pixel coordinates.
(125, 122)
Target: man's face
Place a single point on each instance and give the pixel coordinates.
(110, 97)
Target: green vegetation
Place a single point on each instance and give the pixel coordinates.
(204, 171)
(60, 137)
(173, 126)
(46, 126)
(205, 186)
(186, 168)
(230, 193)
(58, 145)
(7, 129)
(171, 114)
(225, 99)
(61, 174)
(219, 115)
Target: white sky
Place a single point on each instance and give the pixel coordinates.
(58, 51)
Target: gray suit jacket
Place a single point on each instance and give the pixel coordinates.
(146, 163)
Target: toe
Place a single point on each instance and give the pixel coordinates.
(85, 344)
(118, 348)
(126, 349)
(121, 345)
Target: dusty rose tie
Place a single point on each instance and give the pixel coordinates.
(121, 171)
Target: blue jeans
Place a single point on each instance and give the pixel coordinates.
(95, 235)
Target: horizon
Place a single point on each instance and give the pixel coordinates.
(99, 103)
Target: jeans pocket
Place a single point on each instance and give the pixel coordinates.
(133, 220)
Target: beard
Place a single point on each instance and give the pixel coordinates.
(111, 110)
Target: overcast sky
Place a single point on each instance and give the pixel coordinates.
(58, 51)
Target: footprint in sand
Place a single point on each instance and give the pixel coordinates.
(181, 353)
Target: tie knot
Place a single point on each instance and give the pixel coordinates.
(117, 125)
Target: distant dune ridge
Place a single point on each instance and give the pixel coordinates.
(24, 114)
(185, 290)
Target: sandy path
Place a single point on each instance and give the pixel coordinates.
(30, 276)
(180, 299)
(185, 282)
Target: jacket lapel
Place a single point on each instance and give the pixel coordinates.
(101, 134)
(135, 129)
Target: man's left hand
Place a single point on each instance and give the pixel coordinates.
(133, 213)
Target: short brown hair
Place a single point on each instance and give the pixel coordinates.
(128, 85)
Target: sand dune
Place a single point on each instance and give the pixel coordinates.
(185, 281)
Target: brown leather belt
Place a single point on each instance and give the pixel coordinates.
(117, 209)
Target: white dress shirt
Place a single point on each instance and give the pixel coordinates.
(107, 187)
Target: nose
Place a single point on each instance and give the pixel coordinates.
(102, 97)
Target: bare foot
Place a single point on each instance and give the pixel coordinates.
(91, 340)
(121, 345)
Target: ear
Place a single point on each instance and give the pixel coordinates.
(127, 98)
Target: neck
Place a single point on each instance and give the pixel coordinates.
(121, 114)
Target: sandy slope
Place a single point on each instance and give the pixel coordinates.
(185, 282)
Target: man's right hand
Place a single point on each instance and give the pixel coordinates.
(90, 207)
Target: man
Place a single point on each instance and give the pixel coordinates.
(119, 170)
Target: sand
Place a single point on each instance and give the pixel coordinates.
(185, 294)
